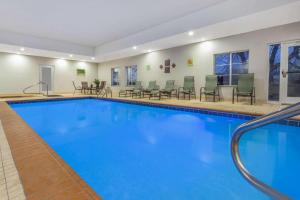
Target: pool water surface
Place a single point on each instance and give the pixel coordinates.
(133, 152)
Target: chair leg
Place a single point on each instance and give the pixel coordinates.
(200, 96)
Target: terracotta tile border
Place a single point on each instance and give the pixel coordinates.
(43, 173)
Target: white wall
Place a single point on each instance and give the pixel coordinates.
(202, 53)
(20, 71)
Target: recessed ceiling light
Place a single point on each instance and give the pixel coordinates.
(191, 33)
(93, 58)
(134, 47)
(149, 51)
(71, 56)
(22, 49)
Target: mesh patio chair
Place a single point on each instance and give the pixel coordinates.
(211, 87)
(244, 88)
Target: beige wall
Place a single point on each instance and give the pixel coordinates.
(202, 53)
(19, 71)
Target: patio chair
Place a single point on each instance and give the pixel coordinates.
(211, 87)
(100, 91)
(85, 86)
(188, 88)
(137, 90)
(168, 90)
(151, 89)
(108, 91)
(76, 88)
(123, 93)
(127, 91)
(244, 88)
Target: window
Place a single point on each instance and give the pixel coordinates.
(228, 66)
(131, 74)
(274, 71)
(115, 76)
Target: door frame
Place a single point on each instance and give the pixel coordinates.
(52, 77)
(284, 99)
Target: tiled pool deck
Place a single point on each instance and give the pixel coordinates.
(11, 187)
(45, 176)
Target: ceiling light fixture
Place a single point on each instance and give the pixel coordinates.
(134, 47)
(71, 56)
(149, 51)
(190, 33)
(22, 49)
(93, 58)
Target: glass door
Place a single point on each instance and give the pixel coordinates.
(290, 69)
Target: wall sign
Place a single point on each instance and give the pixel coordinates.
(80, 72)
(190, 62)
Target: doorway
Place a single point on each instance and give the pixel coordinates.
(290, 73)
(46, 79)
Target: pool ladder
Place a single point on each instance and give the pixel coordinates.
(288, 112)
(38, 83)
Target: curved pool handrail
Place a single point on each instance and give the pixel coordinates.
(38, 83)
(285, 113)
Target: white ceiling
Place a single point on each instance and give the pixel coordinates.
(108, 29)
(92, 22)
(277, 16)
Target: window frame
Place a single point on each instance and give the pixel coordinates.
(230, 64)
(126, 73)
(268, 74)
(111, 75)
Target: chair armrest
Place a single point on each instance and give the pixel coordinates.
(217, 90)
(234, 89)
(201, 89)
(180, 88)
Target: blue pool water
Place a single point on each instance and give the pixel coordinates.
(133, 152)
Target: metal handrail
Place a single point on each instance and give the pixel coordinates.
(38, 83)
(285, 113)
